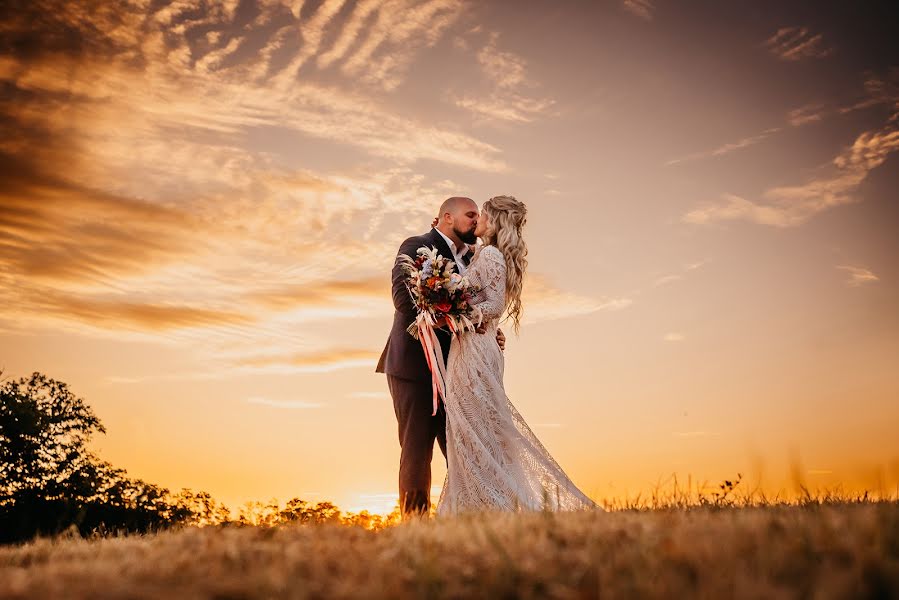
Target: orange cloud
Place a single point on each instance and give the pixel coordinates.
(796, 43)
(858, 275)
(111, 313)
(810, 113)
(640, 8)
(145, 90)
(402, 28)
(504, 68)
(508, 73)
(314, 362)
(54, 229)
(324, 293)
(289, 404)
(127, 179)
(516, 108)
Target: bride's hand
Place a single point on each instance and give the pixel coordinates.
(501, 339)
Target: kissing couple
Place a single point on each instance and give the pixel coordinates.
(494, 460)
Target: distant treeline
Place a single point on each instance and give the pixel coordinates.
(50, 482)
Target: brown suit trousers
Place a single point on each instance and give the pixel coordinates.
(417, 432)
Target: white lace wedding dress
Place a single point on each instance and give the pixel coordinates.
(494, 460)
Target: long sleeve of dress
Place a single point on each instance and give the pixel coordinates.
(491, 299)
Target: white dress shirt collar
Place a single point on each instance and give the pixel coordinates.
(457, 256)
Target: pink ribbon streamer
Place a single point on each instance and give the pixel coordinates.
(434, 355)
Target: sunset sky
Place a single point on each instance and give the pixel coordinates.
(201, 203)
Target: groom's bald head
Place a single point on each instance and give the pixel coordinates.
(456, 206)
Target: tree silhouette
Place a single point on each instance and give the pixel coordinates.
(203, 508)
(44, 429)
(49, 480)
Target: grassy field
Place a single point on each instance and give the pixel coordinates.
(830, 550)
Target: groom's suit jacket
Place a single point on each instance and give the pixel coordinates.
(403, 356)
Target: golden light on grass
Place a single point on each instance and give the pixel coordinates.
(829, 550)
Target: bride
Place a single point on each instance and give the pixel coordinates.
(494, 460)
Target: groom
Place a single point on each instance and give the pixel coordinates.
(403, 360)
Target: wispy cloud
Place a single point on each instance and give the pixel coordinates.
(138, 204)
(214, 59)
(101, 263)
(313, 362)
(506, 69)
(789, 206)
(401, 29)
(170, 100)
(672, 277)
(212, 374)
(515, 108)
(797, 43)
(322, 293)
(350, 32)
(54, 229)
(242, 362)
(878, 91)
(544, 302)
(666, 279)
(311, 32)
(288, 404)
(674, 337)
(641, 8)
(373, 42)
(144, 316)
(731, 207)
(508, 74)
(858, 275)
(727, 148)
(809, 113)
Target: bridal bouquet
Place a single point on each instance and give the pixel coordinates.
(437, 291)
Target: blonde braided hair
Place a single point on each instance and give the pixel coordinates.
(507, 217)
